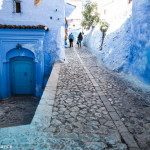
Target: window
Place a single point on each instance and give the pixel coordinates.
(18, 7)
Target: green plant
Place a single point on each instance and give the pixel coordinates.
(91, 17)
(103, 28)
(65, 38)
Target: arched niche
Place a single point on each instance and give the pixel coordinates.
(19, 53)
(12, 54)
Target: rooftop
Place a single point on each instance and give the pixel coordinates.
(24, 27)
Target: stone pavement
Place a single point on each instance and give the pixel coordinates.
(86, 107)
(131, 103)
(80, 111)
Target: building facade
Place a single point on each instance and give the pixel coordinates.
(114, 10)
(31, 40)
(74, 17)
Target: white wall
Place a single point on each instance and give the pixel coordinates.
(127, 43)
(33, 15)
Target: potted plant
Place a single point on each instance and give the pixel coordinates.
(103, 29)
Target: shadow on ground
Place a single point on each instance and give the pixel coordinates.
(17, 110)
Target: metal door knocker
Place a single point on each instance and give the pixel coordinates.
(25, 74)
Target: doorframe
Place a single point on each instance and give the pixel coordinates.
(38, 60)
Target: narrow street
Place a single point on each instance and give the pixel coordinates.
(97, 106)
(93, 109)
(75, 75)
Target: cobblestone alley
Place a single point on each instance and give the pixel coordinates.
(99, 107)
(94, 109)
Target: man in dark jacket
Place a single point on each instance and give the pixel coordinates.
(71, 38)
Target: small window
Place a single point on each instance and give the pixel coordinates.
(18, 7)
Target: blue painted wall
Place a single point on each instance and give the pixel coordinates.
(69, 9)
(32, 47)
(140, 50)
(126, 49)
(45, 47)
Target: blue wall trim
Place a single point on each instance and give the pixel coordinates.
(32, 47)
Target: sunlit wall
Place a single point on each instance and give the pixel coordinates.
(127, 43)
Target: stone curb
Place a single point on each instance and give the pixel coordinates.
(44, 110)
(128, 138)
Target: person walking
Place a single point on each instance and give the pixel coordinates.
(80, 38)
(71, 38)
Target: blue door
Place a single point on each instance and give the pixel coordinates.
(22, 75)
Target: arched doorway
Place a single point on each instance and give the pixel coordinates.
(22, 75)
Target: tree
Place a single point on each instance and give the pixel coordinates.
(91, 17)
(103, 28)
